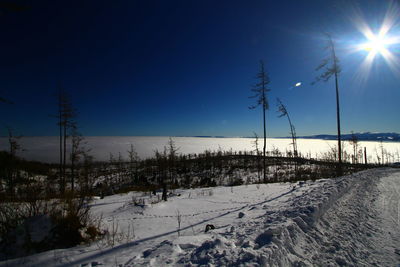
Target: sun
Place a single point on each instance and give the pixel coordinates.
(376, 44)
(380, 44)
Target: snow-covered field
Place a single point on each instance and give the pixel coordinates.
(352, 220)
(46, 148)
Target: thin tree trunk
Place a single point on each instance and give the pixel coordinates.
(294, 143)
(72, 175)
(365, 155)
(337, 109)
(265, 146)
(164, 196)
(293, 136)
(61, 149)
(338, 126)
(65, 153)
(338, 120)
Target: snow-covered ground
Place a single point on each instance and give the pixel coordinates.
(352, 220)
(46, 148)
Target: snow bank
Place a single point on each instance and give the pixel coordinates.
(281, 237)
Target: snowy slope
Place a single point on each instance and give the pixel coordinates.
(352, 220)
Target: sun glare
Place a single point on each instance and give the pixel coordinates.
(376, 44)
(383, 42)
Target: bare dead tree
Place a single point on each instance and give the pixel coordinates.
(161, 163)
(172, 156)
(260, 90)
(65, 116)
(133, 163)
(283, 112)
(77, 152)
(382, 152)
(330, 66)
(354, 143)
(60, 127)
(87, 180)
(14, 146)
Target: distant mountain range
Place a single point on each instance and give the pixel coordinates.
(368, 136)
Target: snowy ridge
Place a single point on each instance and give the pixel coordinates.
(283, 237)
(273, 239)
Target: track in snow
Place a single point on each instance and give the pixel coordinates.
(349, 221)
(361, 228)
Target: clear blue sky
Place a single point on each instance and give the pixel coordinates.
(184, 68)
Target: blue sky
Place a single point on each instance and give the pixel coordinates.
(184, 68)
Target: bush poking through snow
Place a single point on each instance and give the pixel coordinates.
(204, 192)
(73, 224)
(56, 224)
(138, 201)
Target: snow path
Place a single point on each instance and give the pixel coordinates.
(361, 228)
(348, 221)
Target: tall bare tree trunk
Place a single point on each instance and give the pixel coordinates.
(331, 68)
(66, 113)
(338, 124)
(337, 111)
(260, 89)
(264, 147)
(65, 153)
(61, 142)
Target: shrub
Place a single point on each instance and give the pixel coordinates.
(67, 221)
